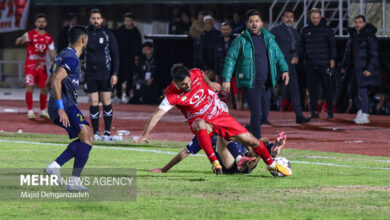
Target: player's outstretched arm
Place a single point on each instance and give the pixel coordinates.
(179, 157)
(21, 40)
(56, 85)
(150, 124)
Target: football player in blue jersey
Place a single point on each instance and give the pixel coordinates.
(63, 110)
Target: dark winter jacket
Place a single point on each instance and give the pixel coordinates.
(129, 42)
(101, 55)
(221, 48)
(361, 54)
(282, 37)
(206, 49)
(317, 44)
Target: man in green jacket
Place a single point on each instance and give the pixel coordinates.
(253, 58)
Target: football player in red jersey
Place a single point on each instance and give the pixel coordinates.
(38, 41)
(194, 94)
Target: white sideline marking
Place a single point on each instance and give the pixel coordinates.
(198, 155)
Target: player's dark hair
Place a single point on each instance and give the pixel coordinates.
(129, 15)
(179, 72)
(40, 15)
(75, 33)
(95, 11)
(360, 16)
(148, 44)
(252, 12)
(226, 23)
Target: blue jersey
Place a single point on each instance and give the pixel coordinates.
(68, 60)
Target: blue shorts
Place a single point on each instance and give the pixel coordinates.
(76, 120)
(194, 147)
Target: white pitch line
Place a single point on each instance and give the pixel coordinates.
(198, 155)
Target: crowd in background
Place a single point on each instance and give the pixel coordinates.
(136, 84)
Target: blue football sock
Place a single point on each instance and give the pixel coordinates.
(68, 153)
(81, 158)
(236, 149)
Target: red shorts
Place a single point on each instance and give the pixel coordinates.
(233, 88)
(225, 126)
(35, 75)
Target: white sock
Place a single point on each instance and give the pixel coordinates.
(54, 164)
(272, 165)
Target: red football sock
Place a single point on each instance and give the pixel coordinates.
(262, 151)
(29, 100)
(43, 99)
(205, 142)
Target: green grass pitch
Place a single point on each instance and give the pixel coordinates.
(323, 185)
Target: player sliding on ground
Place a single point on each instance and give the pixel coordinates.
(193, 93)
(63, 111)
(233, 156)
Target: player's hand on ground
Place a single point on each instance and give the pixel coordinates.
(225, 87)
(215, 86)
(64, 118)
(286, 78)
(157, 170)
(114, 80)
(142, 139)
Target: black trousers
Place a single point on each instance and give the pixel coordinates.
(318, 76)
(258, 99)
(359, 95)
(291, 91)
(125, 74)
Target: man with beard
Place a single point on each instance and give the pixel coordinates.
(38, 41)
(102, 66)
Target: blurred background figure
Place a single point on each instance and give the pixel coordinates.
(62, 39)
(237, 25)
(130, 43)
(184, 24)
(361, 64)
(196, 28)
(174, 21)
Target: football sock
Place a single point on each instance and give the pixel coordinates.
(262, 151)
(205, 142)
(81, 158)
(29, 100)
(107, 115)
(68, 153)
(235, 149)
(94, 114)
(43, 100)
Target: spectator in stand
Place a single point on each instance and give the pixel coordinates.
(317, 46)
(130, 46)
(144, 91)
(175, 21)
(207, 43)
(237, 25)
(62, 40)
(196, 28)
(362, 64)
(221, 47)
(287, 38)
(185, 23)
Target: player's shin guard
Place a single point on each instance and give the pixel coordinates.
(262, 151)
(43, 100)
(205, 142)
(69, 153)
(107, 115)
(94, 114)
(29, 100)
(81, 158)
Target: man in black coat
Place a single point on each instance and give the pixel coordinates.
(361, 65)
(287, 38)
(62, 40)
(102, 66)
(317, 46)
(221, 46)
(206, 46)
(130, 43)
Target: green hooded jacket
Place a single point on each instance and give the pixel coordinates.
(240, 59)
